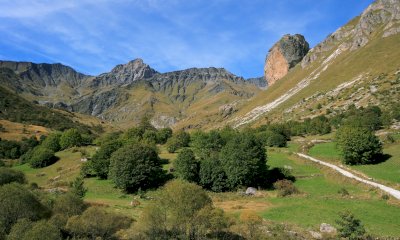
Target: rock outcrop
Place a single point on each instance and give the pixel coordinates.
(283, 56)
(380, 19)
(44, 74)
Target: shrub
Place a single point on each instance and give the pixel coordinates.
(42, 157)
(182, 211)
(350, 227)
(17, 202)
(8, 175)
(186, 166)
(77, 187)
(285, 188)
(135, 167)
(96, 223)
(27, 230)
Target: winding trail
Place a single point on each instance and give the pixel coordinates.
(395, 193)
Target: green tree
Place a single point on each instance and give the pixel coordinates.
(163, 135)
(71, 138)
(186, 166)
(358, 145)
(42, 157)
(77, 187)
(17, 202)
(52, 142)
(150, 136)
(350, 227)
(243, 159)
(8, 175)
(135, 167)
(212, 175)
(96, 223)
(179, 140)
(100, 162)
(205, 144)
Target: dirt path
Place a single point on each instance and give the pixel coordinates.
(395, 193)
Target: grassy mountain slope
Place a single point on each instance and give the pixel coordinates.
(336, 73)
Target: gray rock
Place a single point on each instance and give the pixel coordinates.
(327, 228)
(316, 235)
(251, 191)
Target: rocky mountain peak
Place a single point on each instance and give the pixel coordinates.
(283, 56)
(125, 74)
(132, 71)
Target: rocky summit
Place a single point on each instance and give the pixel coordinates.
(283, 56)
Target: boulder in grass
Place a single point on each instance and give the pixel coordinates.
(251, 191)
(327, 228)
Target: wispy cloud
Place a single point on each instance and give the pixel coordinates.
(94, 35)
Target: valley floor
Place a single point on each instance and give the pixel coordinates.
(319, 200)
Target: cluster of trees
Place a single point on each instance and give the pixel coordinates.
(225, 160)
(130, 159)
(15, 149)
(42, 155)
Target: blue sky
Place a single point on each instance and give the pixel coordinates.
(93, 36)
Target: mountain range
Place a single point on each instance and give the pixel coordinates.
(357, 64)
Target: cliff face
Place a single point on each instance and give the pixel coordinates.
(283, 56)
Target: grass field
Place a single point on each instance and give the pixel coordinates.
(320, 201)
(16, 131)
(387, 172)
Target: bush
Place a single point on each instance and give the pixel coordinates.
(17, 202)
(42, 157)
(8, 175)
(27, 230)
(77, 187)
(285, 188)
(135, 167)
(186, 166)
(96, 223)
(350, 227)
(71, 138)
(358, 145)
(182, 211)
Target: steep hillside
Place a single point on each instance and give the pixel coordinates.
(358, 64)
(123, 95)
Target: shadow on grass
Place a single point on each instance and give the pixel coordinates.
(276, 174)
(381, 158)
